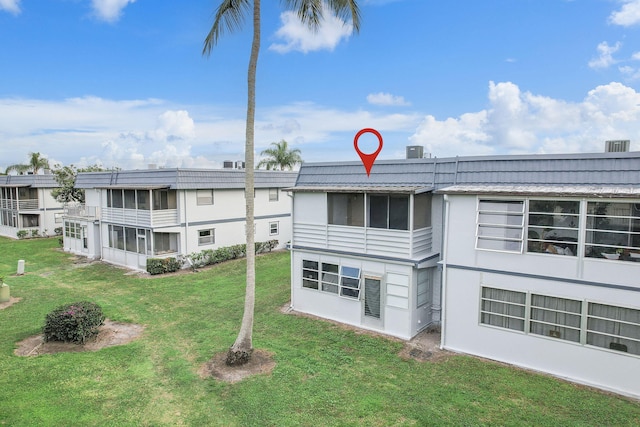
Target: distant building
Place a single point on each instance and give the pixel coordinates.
(26, 204)
(130, 216)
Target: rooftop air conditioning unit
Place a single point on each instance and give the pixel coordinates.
(239, 164)
(415, 152)
(227, 164)
(617, 146)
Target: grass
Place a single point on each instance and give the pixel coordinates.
(325, 375)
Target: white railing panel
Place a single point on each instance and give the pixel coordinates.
(28, 205)
(345, 238)
(164, 217)
(422, 242)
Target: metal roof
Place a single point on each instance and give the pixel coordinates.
(545, 190)
(37, 181)
(583, 169)
(183, 179)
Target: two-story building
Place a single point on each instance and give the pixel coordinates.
(129, 216)
(531, 260)
(26, 204)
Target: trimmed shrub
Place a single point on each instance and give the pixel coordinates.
(75, 322)
(163, 265)
(58, 231)
(21, 234)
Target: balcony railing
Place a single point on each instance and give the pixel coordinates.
(364, 240)
(82, 211)
(23, 205)
(141, 217)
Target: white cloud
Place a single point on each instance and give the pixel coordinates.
(605, 55)
(11, 6)
(628, 15)
(109, 10)
(297, 36)
(521, 122)
(382, 98)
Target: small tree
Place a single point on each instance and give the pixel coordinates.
(65, 176)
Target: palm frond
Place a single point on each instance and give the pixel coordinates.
(229, 17)
(310, 12)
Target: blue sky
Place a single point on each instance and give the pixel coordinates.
(123, 82)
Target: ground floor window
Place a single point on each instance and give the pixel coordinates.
(207, 237)
(165, 243)
(130, 239)
(274, 228)
(585, 322)
(8, 218)
(331, 278)
(30, 220)
(72, 230)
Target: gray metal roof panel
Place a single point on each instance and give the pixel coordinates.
(183, 179)
(607, 169)
(37, 181)
(545, 190)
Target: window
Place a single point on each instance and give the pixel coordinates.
(116, 198)
(204, 197)
(30, 220)
(424, 287)
(72, 230)
(273, 194)
(129, 199)
(615, 328)
(143, 199)
(391, 212)
(116, 236)
(164, 199)
(27, 193)
(350, 282)
(273, 228)
(165, 243)
(372, 298)
(553, 226)
(600, 325)
(421, 211)
(331, 278)
(130, 239)
(207, 237)
(346, 209)
(613, 230)
(310, 274)
(503, 308)
(555, 317)
(500, 224)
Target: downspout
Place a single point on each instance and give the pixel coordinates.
(186, 221)
(291, 251)
(443, 297)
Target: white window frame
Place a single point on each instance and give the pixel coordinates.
(491, 228)
(274, 228)
(619, 331)
(274, 194)
(204, 197)
(207, 239)
(332, 278)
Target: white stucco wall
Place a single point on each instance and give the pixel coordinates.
(467, 269)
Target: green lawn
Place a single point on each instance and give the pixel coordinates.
(325, 375)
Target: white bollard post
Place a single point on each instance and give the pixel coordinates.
(20, 267)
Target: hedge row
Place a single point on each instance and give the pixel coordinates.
(214, 256)
(206, 257)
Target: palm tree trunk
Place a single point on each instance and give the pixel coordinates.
(240, 351)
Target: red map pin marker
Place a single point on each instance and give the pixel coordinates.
(368, 159)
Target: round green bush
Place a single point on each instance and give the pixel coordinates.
(74, 322)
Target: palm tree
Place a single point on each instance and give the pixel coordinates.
(229, 16)
(36, 162)
(281, 157)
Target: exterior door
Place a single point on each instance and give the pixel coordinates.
(372, 302)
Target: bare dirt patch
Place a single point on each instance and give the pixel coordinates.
(110, 334)
(9, 303)
(261, 362)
